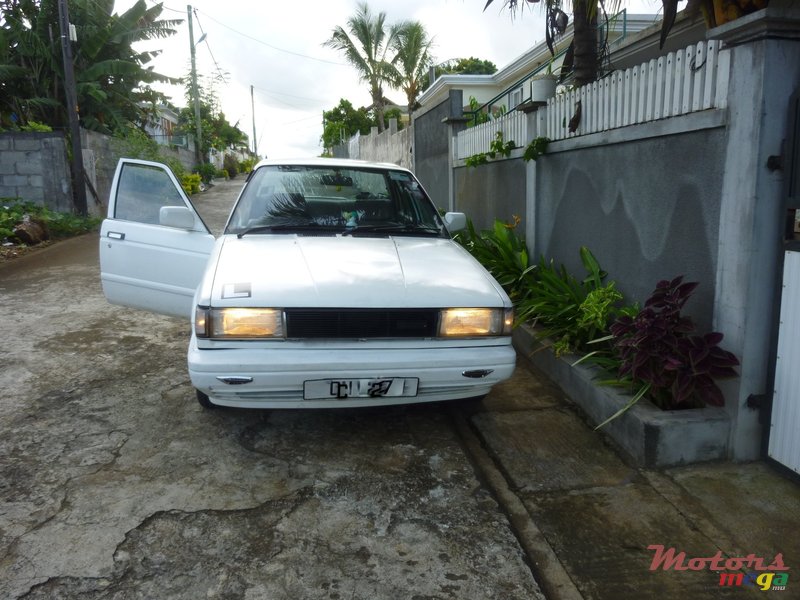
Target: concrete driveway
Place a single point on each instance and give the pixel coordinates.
(114, 483)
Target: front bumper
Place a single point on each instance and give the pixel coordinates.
(278, 374)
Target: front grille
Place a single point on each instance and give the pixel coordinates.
(350, 323)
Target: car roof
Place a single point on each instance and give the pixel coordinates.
(343, 163)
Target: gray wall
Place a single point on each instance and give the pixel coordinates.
(102, 152)
(33, 166)
(390, 146)
(492, 191)
(431, 153)
(648, 210)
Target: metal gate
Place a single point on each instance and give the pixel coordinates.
(784, 435)
(784, 432)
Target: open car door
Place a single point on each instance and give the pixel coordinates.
(153, 246)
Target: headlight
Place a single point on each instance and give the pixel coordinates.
(241, 323)
(472, 322)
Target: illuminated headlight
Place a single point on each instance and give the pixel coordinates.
(239, 323)
(472, 322)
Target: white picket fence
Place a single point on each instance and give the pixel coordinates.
(679, 83)
(474, 140)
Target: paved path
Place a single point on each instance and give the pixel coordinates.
(114, 483)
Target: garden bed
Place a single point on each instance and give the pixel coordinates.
(650, 436)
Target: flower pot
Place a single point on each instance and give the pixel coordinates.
(543, 88)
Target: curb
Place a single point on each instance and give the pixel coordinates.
(547, 569)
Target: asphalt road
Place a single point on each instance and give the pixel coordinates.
(114, 483)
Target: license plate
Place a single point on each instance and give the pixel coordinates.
(341, 389)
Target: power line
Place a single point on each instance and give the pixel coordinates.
(249, 37)
(220, 72)
(271, 92)
(263, 43)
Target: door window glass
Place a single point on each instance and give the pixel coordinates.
(142, 191)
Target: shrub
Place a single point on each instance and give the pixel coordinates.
(231, 165)
(663, 359)
(191, 183)
(207, 172)
(36, 126)
(12, 211)
(536, 148)
(654, 350)
(247, 165)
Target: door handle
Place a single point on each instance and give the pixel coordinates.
(114, 235)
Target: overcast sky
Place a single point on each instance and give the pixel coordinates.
(276, 47)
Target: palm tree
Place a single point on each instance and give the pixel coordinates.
(583, 55)
(111, 78)
(365, 45)
(412, 60)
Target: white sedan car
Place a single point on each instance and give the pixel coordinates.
(334, 284)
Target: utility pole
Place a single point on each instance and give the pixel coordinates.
(78, 185)
(195, 94)
(253, 110)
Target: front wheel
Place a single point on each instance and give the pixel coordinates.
(204, 401)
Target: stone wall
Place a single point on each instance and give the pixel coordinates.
(34, 167)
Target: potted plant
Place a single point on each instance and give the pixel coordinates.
(543, 86)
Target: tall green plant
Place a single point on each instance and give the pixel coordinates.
(503, 253)
(572, 313)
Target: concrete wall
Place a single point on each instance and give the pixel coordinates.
(101, 154)
(432, 152)
(390, 146)
(492, 191)
(765, 71)
(33, 166)
(648, 209)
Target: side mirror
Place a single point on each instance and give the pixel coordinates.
(179, 217)
(455, 221)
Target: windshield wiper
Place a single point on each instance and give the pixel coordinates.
(288, 227)
(395, 228)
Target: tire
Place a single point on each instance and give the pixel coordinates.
(204, 400)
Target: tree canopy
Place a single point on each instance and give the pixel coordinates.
(412, 59)
(468, 66)
(342, 122)
(112, 79)
(217, 132)
(366, 44)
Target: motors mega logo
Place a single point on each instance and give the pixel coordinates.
(748, 571)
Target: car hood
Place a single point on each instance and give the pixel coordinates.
(347, 271)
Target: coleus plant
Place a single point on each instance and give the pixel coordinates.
(664, 359)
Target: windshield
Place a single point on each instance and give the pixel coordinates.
(294, 198)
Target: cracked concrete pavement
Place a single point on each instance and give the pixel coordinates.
(114, 483)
